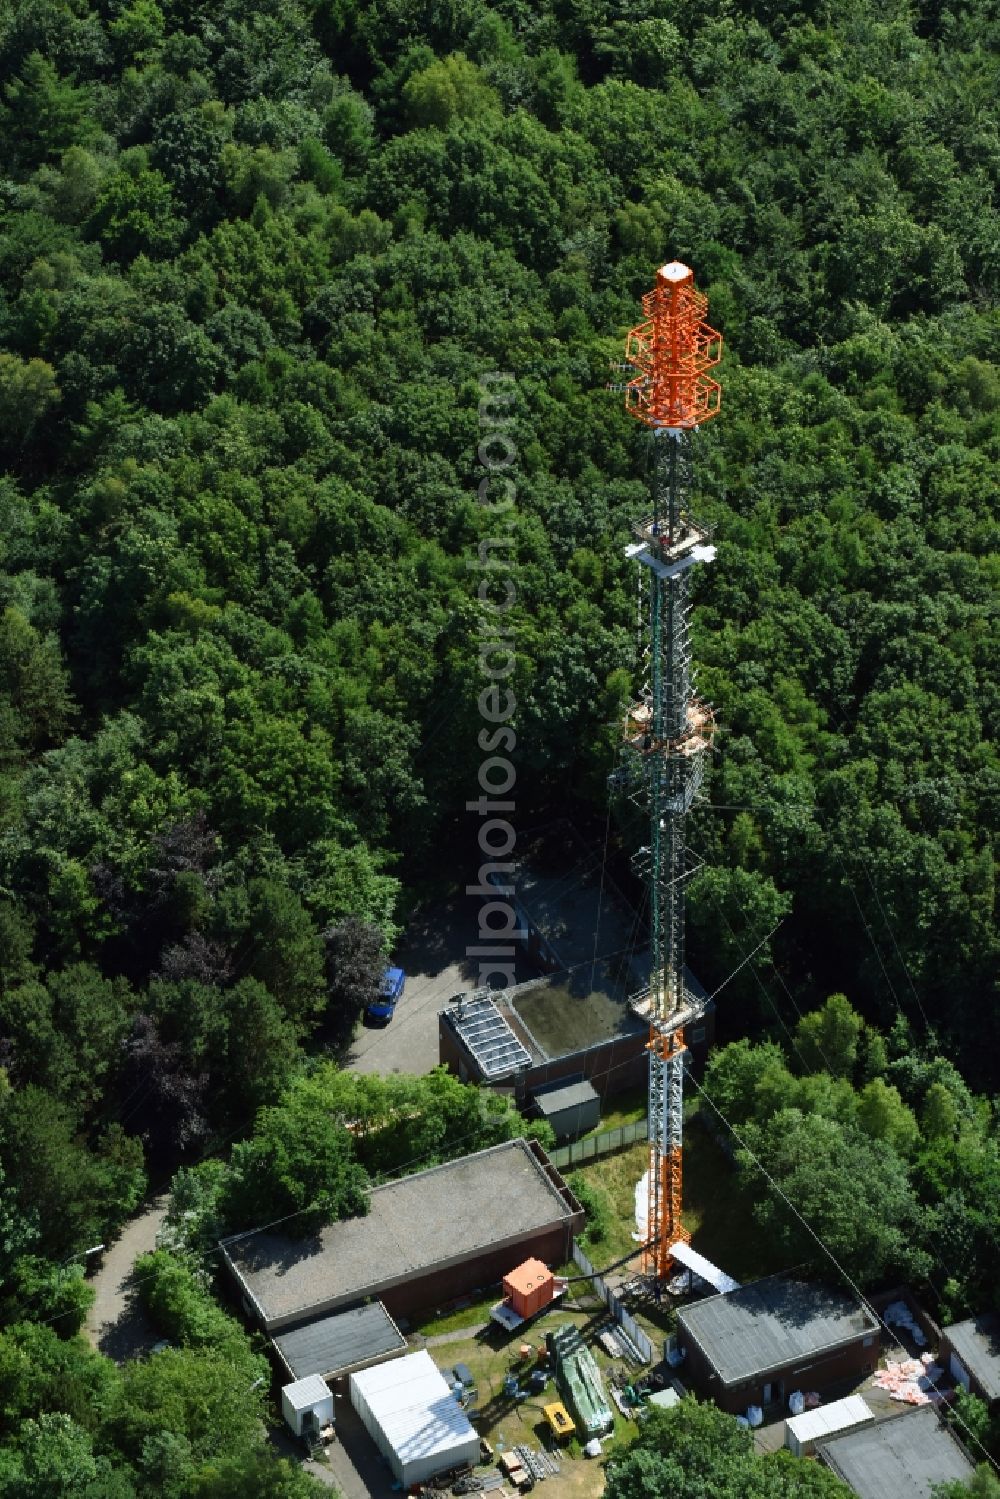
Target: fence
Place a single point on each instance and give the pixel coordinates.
(594, 1146)
(624, 1318)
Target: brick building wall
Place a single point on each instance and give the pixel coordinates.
(423, 1292)
(612, 1066)
(773, 1386)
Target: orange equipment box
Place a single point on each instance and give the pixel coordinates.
(529, 1288)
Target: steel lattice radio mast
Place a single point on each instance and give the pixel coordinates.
(668, 731)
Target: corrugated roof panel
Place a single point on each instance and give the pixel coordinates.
(825, 1420)
(331, 1345)
(692, 1260)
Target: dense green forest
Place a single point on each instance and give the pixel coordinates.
(254, 263)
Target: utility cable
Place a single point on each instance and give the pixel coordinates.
(828, 1252)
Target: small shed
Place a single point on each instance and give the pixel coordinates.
(571, 1108)
(970, 1351)
(529, 1288)
(307, 1401)
(826, 1421)
(413, 1418)
(664, 1399)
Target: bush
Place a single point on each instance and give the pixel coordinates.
(184, 1310)
(594, 1205)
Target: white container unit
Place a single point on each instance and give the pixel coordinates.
(413, 1418)
(305, 1395)
(803, 1432)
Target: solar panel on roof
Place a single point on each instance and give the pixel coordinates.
(488, 1037)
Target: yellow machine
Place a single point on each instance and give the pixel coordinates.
(559, 1419)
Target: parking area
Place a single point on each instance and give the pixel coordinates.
(434, 955)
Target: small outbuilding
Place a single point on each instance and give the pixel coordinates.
(970, 1351)
(803, 1432)
(307, 1402)
(901, 1456)
(755, 1345)
(413, 1418)
(663, 1400)
(572, 1108)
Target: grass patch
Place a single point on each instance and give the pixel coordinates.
(629, 1107)
(492, 1356)
(478, 1310)
(717, 1211)
(612, 1180)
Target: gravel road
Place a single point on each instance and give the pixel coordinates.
(116, 1323)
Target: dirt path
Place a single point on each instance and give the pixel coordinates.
(116, 1324)
(438, 1339)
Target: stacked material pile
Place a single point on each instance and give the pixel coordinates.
(911, 1380)
(579, 1382)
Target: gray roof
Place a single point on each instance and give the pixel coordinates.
(770, 1324)
(337, 1344)
(426, 1221)
(902, 1457)
(568, 1096)
(977, 1343)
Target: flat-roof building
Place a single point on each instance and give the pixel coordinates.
(902, 1457)
(757, 1344)
(577, 1022)
(970, 1350)
(413, 1418)
(426, 1238)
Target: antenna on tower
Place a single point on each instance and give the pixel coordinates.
(668, 731)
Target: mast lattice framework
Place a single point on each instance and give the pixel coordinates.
(668, 730)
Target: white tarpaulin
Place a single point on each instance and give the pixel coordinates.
(641, 1208)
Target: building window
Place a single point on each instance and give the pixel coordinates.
(698, 1033)
(868, 1341)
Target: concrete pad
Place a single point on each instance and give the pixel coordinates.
(434, 955)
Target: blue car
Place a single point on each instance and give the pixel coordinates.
(390, 993)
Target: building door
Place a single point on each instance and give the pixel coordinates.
(773, 1391)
